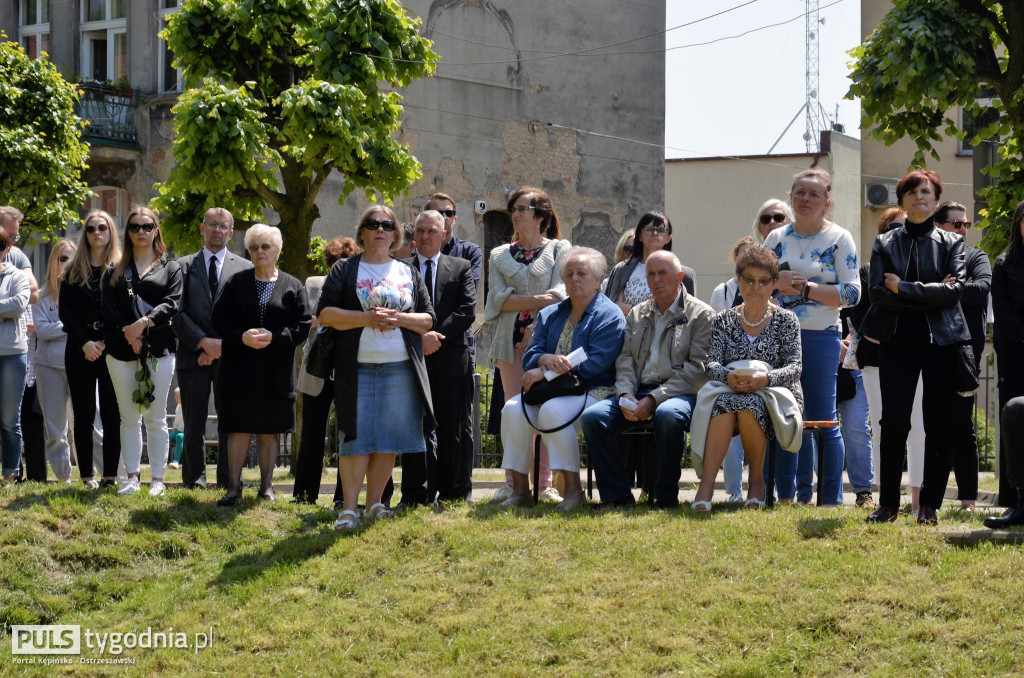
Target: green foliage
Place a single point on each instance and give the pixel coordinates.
(280, 93)
(42, 155)
(925, 59)
(316, 256)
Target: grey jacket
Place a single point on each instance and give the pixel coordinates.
(506, 277)
(14, 295)
(50, 336)
(684, 348)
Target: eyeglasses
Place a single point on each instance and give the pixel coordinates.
(373, 225)
(63, 258)
(217, 227)
(97, 228)
(655, 230)
(754, 280)
(768, 218)
(448, 214)
(959, 224)
(522, 209)
(146, 227)
(627, 249)
(265, 246)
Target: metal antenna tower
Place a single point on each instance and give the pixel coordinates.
(817, 120)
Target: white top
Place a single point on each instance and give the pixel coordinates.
(387, 285)
(830, 258)
(636, 290)
(218, 256)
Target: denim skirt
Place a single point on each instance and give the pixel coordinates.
(389, 411)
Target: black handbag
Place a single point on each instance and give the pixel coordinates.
(320, 361)
(140, 307)
(542, 391)
(965, 374)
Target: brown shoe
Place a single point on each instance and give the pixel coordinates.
(926, 516)
(883, 514)
(865, 500)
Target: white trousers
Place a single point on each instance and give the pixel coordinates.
(122, 374)
(517, 434)
(54, 396)
(915, 439)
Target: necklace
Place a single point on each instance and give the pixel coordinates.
(742, 310)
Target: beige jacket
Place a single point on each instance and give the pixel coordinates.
(684, 348)
(506, 276)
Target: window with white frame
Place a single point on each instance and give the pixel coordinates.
(972, 123)
(104, 40)
(34, 27)
(170, 77)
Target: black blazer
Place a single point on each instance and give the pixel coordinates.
(81, 311)
(195, 318)
(287, 316)
(455, 307)
(161, 288)
(340, 292)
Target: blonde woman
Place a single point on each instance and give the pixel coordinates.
(51, 375)
(773, 214)
(81, 312)
(141, 294)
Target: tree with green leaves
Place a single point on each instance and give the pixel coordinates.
(928, 57)
(278, 94)
(42, 155)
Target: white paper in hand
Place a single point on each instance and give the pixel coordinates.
(575, 358)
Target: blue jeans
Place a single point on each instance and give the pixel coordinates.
(12, 388)
(603, 421)
(732, 467)
(820, 363)
(856, 432)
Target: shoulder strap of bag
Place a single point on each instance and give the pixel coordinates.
(526, 413)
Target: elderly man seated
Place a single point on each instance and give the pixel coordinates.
(657, 376)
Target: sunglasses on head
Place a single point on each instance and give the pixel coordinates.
(768, 218)
(96, 228)
(147, 227)
(373, 225)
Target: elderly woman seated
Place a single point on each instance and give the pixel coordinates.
(586, 320)
(754, 367)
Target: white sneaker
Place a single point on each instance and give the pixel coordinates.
(502, 494)
(174, 465)
(551, 494)
(130, 487)
(156, 488)
(736, 498)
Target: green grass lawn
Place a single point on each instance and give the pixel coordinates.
(478, 591)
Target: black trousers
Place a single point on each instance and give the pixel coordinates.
(453, 438)
(1011, 385)
(83, 379)
(33, 437)
(965, 448)
(1012, 440)
(898, 370)
(309, 466)
(195, 384)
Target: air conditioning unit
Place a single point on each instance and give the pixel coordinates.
(879, 195)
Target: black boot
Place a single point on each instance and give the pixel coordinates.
(1013, 516)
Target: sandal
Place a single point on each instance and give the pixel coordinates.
(347, 520)
(379, 512)
(753, 503)
(701, 506)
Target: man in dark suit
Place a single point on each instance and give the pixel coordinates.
(203, 275)
(446, 470)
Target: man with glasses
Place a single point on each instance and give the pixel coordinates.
(203, 276)
(453, 247)
(952, 216)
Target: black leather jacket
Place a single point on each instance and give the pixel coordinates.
(938, 254)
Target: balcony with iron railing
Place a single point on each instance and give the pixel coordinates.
(110, 114)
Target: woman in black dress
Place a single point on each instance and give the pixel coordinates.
(261, 316)
(82, 315)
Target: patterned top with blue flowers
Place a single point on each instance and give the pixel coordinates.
(827, 258)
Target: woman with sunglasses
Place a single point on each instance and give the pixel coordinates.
(522, 279)
(51, 375)
(624, 248)
(15, 290)
(773, 214)
(381, 309)
(81, 312)
(818, 276)
(141, 294)
(262, 315)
